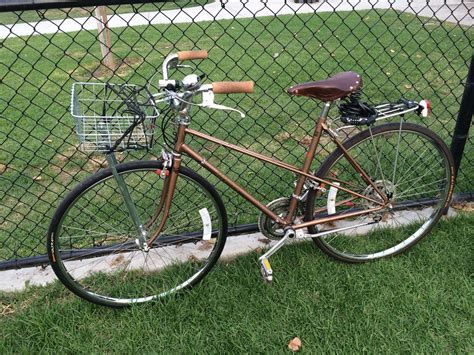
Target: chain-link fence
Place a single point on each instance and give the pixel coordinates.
(415, 49)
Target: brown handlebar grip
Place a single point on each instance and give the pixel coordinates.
(190, 55)
(232, 87)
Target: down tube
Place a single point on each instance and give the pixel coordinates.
(201, 160)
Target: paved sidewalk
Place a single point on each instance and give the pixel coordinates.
(453, 11)
(19, 279)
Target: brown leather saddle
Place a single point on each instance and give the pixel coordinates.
(336, 87)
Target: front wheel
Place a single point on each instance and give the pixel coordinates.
(411, 165)
(92, 238)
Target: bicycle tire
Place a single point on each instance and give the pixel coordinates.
(409, 136)
(105, 265)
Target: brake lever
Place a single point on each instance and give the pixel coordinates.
(208, 101)
(179, 66)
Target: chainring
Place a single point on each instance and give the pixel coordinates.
(280, 207)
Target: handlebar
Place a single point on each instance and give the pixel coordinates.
(192, 85)
(173, 59)
(224, 87)
(233, 87)
(191, 55)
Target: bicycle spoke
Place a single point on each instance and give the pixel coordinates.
(420, 180)
(376, 152)
(97, 240)
(397, 152)
(410, 169)
(421, 186)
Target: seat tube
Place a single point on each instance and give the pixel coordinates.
(308, 160)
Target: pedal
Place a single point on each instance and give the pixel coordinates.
(266, 270)
(265, 267)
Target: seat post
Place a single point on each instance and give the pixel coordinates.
(325, 110)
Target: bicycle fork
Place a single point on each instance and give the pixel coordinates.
(142, 240)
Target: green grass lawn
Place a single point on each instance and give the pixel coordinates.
(39, 156)
(417, 302)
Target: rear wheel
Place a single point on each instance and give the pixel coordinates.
(414, 169)
(91, 239)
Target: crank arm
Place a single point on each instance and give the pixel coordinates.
(265, 267)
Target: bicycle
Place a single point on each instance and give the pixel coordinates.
(143, 230)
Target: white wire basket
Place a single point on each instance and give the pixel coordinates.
(113, 117)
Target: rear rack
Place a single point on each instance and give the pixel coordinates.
(395, 109)
(357, 113)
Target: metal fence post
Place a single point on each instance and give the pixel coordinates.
(464, 120)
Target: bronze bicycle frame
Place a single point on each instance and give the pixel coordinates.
(182, 147)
